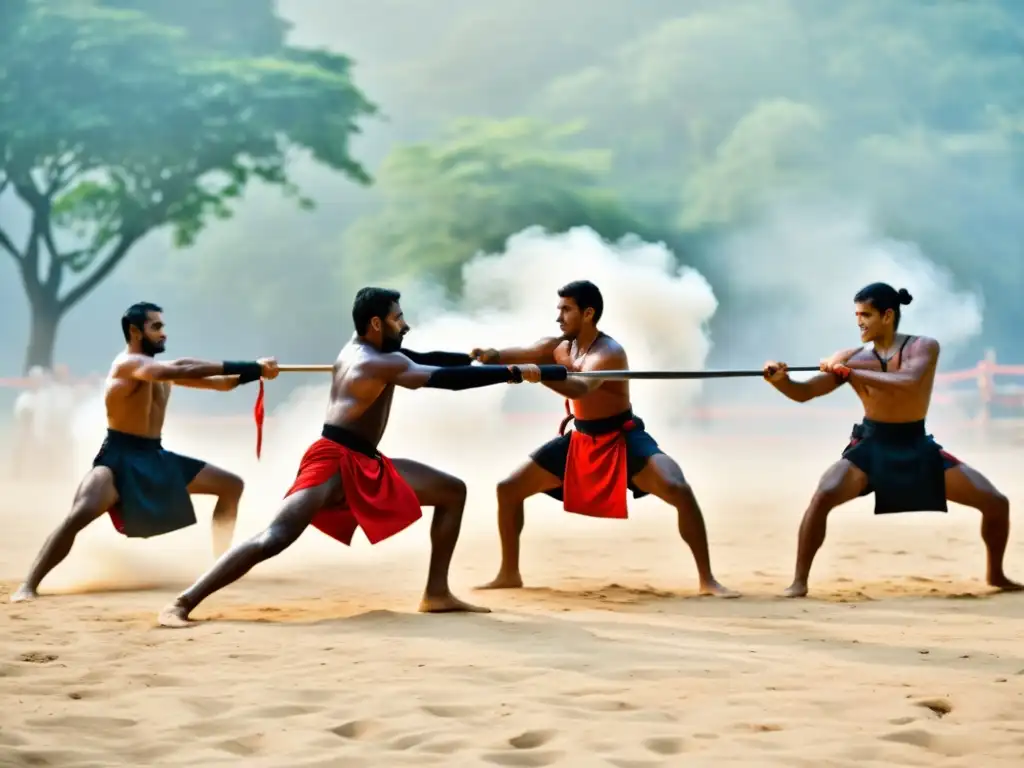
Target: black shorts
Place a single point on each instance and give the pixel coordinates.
(906, 468)
(152, 485)
(640, 447)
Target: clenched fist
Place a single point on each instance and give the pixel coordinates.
(488, 356)
(775, 372)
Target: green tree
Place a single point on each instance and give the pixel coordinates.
(119, 118)
(480, 183)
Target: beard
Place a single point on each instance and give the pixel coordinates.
(391, 344)
(151, 348)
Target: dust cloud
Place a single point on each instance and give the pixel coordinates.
(658, 310)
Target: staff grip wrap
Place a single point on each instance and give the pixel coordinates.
(246, 371)
(553, 372)
(472, 376)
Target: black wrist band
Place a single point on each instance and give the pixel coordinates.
(516, 374)
(246, 371)
(553, 372)
(438, 359)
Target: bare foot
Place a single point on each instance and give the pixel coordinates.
(174, 616)
(449, 604)
(502, 581)
(1001, 583)
(714, 589)
(796, 589)
(24, 595)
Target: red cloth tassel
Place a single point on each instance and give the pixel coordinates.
(258, 413)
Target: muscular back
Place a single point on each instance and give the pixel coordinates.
(909, 402)
(133, 406)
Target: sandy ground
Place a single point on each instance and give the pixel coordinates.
(901, 657)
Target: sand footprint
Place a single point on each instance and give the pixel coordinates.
(532, 739)
(449, 710)
(523, 759)
(284, 710)
(244, 746)
(410, 740)
(940, 707)
(930, 742)
(915, 737)
(665, 745)
(357, 729)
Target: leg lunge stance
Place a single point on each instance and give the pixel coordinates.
(146, 489)
(344, 482)
(609, 453)
(890, 454)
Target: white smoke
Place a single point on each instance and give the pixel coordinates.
(657, 310)
(794, 275)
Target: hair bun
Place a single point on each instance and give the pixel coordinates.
(904, 295)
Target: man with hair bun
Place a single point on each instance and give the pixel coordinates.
(890, 454)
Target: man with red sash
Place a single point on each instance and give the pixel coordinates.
(591, 467)
(344, 482)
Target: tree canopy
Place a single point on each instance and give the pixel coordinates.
(122, 117)
(687, 122)
(480, 183)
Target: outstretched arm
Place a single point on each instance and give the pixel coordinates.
(143, 368)
(216, 383)
(576, 387)
(919, 359)
(395, 368)
(438, 359)
(541, 352)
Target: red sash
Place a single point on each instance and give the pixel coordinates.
(377, 498)
(597, 473)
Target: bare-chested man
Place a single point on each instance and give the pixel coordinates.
(344, 482)
(609, 451)
(889, 453)
(146, 489)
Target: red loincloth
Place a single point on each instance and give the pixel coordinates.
(377, 499)
(597, 474)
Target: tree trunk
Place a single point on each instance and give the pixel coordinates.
(43, 333)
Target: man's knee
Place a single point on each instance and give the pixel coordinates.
(232, 487)
(274, 540)
(996, 505)
(511, 490)
(678, 493)
(84, 511)
(826, 499)
(455, 490)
